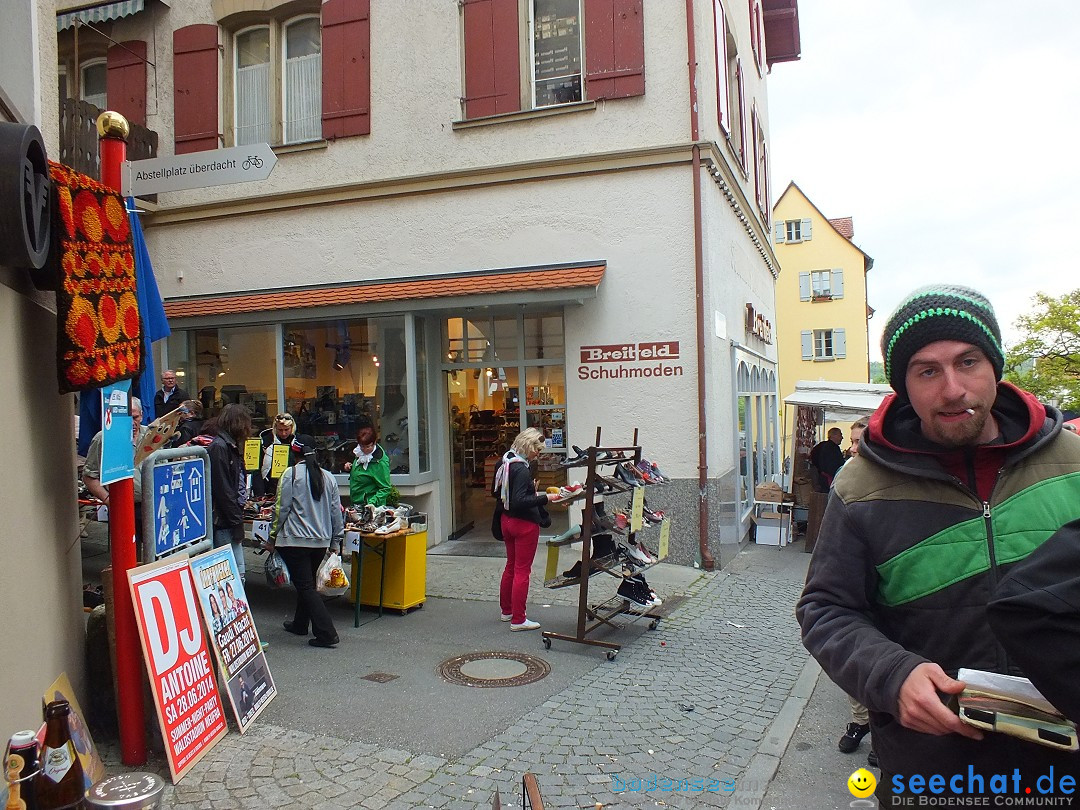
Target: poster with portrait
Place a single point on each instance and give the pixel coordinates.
(233, 635)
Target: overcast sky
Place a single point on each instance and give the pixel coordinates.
(948, 130)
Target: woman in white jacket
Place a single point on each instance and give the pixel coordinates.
(308, 521)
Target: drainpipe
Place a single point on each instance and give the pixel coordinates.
(707, 561)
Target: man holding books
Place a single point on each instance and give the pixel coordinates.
(959, 476)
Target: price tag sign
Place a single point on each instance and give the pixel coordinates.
(252, 454)
(665, 536)
(636, 516)
(260, 531)
(280, 461)
(551, 570)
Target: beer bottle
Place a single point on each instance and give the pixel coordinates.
(59, 783)
(22, 767)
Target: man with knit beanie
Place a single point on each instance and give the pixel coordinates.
(959, 476)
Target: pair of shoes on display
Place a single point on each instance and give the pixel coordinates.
(871, 759)
(329, 643)
(637, 592)
(579, 457)
(528, 624)
(639, 553)
(290, 627)
(651, 515)
(624, 474)
(569, 491)
(853, 736)
(604, 487)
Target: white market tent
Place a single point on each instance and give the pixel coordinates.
(843, 402)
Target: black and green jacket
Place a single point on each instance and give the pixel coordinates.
(913, 543)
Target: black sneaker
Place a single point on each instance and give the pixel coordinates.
(631, 592)
(853, 736)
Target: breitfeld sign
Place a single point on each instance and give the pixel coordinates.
(220, 167)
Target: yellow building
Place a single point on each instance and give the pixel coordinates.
(821, 307)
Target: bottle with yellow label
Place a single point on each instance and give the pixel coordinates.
(59, 783)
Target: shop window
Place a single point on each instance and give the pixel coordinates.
(337, 372)
(578, 50)
(228, 365)
(544, 337)
(423, 457)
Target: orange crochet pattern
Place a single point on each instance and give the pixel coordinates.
(99, 333)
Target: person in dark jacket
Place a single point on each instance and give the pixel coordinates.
(520, 513)
(228, 479)
(191, 422)
(826, 458)
(1035, 613)
(958, 476)
(169, 397)
(283, 431)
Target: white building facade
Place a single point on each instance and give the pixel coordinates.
(484, 215)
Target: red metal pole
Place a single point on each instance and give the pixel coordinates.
(112, 145)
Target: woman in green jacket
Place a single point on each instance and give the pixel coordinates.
(369, 478)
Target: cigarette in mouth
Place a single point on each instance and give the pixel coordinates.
(969, 411)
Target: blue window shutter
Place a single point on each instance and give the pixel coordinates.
(778, 233)
(807, 344)
(806, 230)
(839, 343)
(804, 286)
(837, 284)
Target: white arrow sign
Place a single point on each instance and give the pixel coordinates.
(220, 167)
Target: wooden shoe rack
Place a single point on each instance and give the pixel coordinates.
(598, 460)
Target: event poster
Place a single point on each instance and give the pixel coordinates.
(233, 635)
(182, 677)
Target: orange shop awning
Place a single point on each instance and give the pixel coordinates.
(567, 278)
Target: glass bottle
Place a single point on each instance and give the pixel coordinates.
(59, 783)
(22, 767)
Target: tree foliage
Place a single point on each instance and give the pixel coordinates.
(1046, 361)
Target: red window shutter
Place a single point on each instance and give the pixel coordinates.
(614, 49)
(346, 68)
(125, 80)
(195, 88)
(492, 57)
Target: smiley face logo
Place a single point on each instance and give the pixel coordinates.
(861, 783)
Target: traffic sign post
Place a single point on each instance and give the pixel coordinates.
(177, 511)
(220, 167)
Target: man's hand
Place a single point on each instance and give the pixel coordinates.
(921, 708)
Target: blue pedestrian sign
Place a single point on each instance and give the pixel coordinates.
(181, 508)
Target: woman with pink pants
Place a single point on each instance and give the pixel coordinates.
(519, 514)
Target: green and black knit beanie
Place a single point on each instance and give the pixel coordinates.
(939, 312)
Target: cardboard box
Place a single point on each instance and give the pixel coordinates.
(769, 492)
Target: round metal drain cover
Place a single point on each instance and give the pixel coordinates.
(488, 669)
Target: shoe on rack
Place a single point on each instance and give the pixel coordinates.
(631, 592)
(574, 461)
(853, 736)
(505, 617)
(664, 478)
(644, 554)
(637, 555)
(626, 477)
(528, 624)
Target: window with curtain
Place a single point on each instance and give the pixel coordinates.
(92, 83)
(302, 86)
(252, 86)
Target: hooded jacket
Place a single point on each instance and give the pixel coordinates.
(912, 545)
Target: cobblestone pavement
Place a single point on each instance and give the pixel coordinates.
(712, 695)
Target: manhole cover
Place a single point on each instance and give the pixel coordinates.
(379, 677)
(486, 669)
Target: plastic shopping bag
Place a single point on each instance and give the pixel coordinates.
(277, 573)
(330, 580)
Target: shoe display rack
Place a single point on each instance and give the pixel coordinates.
(600, 463)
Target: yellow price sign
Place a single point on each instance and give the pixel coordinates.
(551, 570)
(252, 454)
(636, 513)
(665, 536)
(280, 461)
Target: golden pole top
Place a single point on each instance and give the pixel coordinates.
(112, 125)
